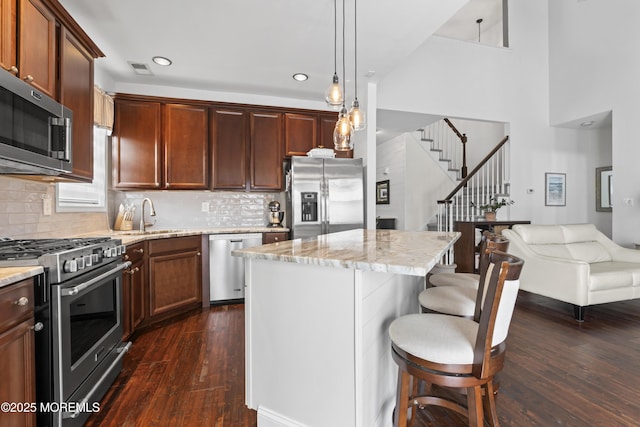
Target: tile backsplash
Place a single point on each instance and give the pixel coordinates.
(199, 209)
(22, 213)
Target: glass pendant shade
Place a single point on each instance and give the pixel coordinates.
(357, 116)
(342, 132)
(333, 95)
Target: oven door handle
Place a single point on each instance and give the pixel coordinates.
(67, 292)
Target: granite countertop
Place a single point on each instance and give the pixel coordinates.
(135, 236)
(10, 275)
(403, 252)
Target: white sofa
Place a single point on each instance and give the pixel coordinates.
(574, 263)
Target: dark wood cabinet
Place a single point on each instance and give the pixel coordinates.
(274, 237)
(186, 147)
(175, 275)
(229, 140)
(137, 149)
(301, 133)
(76, 93)
(8, 35)
(465, 248)
(265, 150)
(246, 149)
(167, 143)
(17, 353)
(327, 125)
(134, 289)
(37, 46)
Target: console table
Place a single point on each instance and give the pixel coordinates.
(465, 248)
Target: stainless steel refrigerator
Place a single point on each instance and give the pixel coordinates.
(325, 195)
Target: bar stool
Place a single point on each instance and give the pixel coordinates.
(454, 352)
(470, 280)
(456, 293)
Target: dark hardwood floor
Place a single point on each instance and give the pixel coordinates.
(558, 371)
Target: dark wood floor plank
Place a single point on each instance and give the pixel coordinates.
(190, 372)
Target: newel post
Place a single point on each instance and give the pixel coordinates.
(464, 155)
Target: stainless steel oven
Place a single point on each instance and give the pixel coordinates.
(87, 334)
(78, 315)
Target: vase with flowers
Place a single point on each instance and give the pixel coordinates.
(491, 208)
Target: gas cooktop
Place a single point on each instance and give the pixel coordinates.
(64, 258)
(34, 248)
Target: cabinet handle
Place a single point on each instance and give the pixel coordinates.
(37, 327)
(133, 271)
(13, 69)
(139, 251)
(28, 78)
(126, 257)
(198, 253)
(22, 301)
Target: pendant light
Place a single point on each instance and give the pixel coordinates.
(334, 94)
(356, 116)
(343, 129)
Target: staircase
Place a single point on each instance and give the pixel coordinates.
(489, 179)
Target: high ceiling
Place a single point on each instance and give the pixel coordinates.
(255, 46)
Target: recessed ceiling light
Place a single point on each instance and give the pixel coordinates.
(161, 60)
(586, 124)
(300, 77)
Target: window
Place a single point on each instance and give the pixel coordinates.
(87, 197)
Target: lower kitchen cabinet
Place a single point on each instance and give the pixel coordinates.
(134, 289)
(175, 275)
(17, 354)
(274, 237)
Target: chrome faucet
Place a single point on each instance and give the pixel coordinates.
(152, 212)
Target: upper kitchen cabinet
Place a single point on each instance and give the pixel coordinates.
(8, 35)
(186, 146)
(327, 124)
(266, 151)
(246, 149)
(160, 145)
(76, 93)
(137, 150)
(301, 133)
(229, 148)
(37, 46)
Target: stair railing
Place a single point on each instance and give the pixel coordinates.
(443, 137)
(488, 179)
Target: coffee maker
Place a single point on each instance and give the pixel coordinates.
(275, 215)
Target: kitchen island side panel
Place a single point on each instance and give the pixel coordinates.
(384, 297)
(318, 352)
(300, 368)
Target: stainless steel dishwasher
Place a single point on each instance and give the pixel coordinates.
(227, 271)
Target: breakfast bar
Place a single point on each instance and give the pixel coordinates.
(317, 312)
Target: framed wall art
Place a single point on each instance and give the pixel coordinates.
(555, 185)
(382, 192)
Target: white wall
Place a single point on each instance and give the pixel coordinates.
(416, 182)
(460, 79)
(595, 68)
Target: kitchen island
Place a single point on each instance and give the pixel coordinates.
(317, 312)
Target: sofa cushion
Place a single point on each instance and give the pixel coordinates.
(610, 275)
(576, 241)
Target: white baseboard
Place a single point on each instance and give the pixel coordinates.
(268, 418)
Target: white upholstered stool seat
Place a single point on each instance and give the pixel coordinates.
(454, 300)
(436, 337)
(465, 280)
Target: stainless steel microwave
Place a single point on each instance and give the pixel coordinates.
(35, 130)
